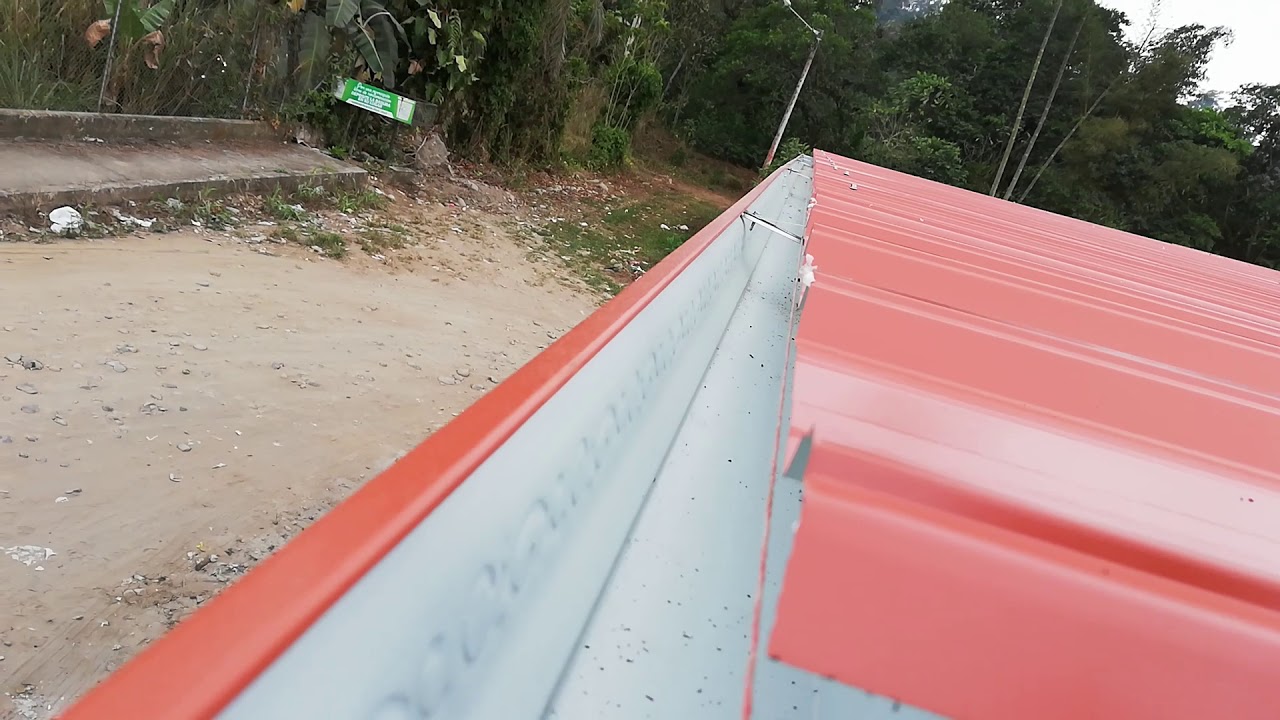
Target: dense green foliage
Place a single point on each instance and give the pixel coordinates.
(1113, 132)
(1104, 129)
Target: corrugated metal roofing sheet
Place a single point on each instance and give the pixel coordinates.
(1044, 462)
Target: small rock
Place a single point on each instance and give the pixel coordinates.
(60, 420)
(8, 328)
(175, 478)
(32, 364)
(200, 347)
(33, 438)
(116, 365)
(202, 283)
(6, 439)
(31, 409)
(464, 372)
(108, 408)
(126, 348)
(184, 447)
(27, 388)
(448, 380)
(277, 366)
(169, 386)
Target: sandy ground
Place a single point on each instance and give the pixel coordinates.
(174, 407)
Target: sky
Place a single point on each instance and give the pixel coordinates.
(1256, 23)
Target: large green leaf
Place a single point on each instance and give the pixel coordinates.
(129, 27)
(314, 46)
(377, 43)
(340, 13)
(377, 38)
(375, 10)
(157, 14)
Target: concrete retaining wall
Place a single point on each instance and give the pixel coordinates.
(111, 127)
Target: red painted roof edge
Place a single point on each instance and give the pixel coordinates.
(205, 662)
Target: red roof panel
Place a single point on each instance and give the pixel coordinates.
(1043, 480)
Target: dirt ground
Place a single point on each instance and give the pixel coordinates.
(174, 407)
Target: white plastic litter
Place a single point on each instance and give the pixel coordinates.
(807, 271)
(131, 220)
(65, 220)
(29, 554)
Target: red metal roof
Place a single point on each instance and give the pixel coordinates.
(1044, 471)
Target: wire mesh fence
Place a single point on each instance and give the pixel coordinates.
(209, 58)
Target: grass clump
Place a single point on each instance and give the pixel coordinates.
(310, 195)
(210, 213)
(613, 247)
(331, 244)
(281, 209)
(377, 241)
(287, 234)
(358, 201)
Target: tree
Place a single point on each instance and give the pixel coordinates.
(1048, 105)
(1026, 95)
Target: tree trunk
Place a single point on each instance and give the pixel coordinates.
(671, 80)
(1138, 51)
(1026, 95)
(1048, 104)
(555, 29)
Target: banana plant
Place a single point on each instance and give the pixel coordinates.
(376, 34)
(133, 22)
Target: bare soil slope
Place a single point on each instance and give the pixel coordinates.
(174, 407)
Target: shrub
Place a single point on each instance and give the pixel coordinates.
(610, 147)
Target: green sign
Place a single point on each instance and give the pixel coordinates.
(376, 100)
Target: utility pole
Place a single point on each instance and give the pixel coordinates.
(791, 106)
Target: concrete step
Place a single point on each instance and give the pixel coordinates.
(44, 175)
